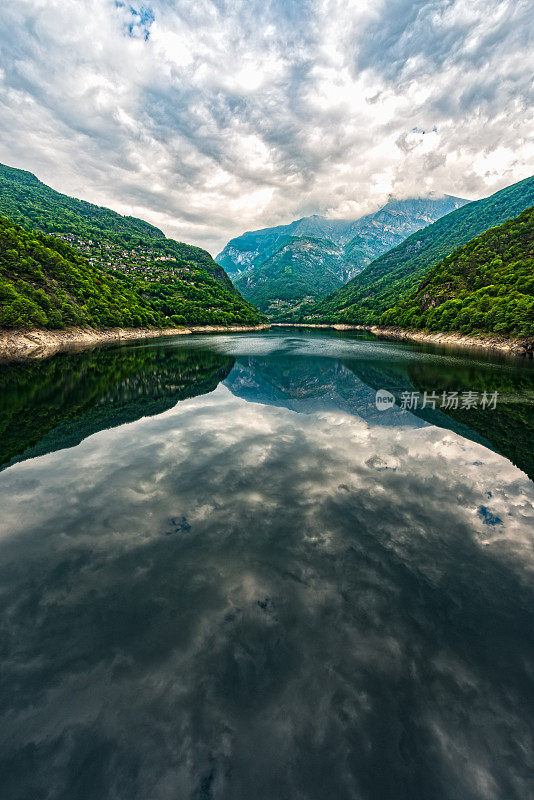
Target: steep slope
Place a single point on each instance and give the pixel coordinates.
(397, 273)
(365, 237)
(302, 268)
(486, 285)
(105, 237)
(388, 227)
(45, 283)
(253, 248)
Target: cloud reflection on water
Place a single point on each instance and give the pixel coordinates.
(325, 628)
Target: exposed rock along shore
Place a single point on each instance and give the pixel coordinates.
(523, 348)
(43, 343)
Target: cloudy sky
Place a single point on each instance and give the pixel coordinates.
(211, 117)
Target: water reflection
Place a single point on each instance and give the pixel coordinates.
(233, 598)
(50, 405)
(508, 428)
(59, 402)
(311, 385)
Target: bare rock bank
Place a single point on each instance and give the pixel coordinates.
(15, 345)
(522, 348)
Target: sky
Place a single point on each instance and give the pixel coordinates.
(212, 117)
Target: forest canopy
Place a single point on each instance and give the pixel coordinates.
(45, 283)
(485, 286)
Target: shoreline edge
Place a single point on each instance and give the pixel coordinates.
(17, 344)
(520, 348)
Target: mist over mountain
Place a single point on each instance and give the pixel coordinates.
(396, 275)
(276, 268)
(387, 226)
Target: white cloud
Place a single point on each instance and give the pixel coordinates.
(211, 118)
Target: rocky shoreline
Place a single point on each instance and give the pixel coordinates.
(521, 348)
(16, 345)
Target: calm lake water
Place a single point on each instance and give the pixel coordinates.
(225, 573)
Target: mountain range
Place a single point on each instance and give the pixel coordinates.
(396, 275)
(278, 268)
(67, 262)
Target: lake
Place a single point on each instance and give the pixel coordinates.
(228, 571)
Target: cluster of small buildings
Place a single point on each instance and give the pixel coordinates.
(108, 255)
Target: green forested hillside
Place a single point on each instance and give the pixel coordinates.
(36, 206)
(45, 283)
(486, 285)
(275, 268)
(106, 238)
(396, 274)
(301, 268)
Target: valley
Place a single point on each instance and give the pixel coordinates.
(285, 268)
(470, 271)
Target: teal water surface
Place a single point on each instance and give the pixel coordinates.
(226, 573)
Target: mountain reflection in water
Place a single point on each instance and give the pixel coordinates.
(225, 573)
(50, 405)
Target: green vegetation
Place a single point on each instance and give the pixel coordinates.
(485, 286)
(101, 269)
(104, 236)
(53, 404)
(302, 267)
(36, 206)
(270, 266)
(394, 276)
(44, 283)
